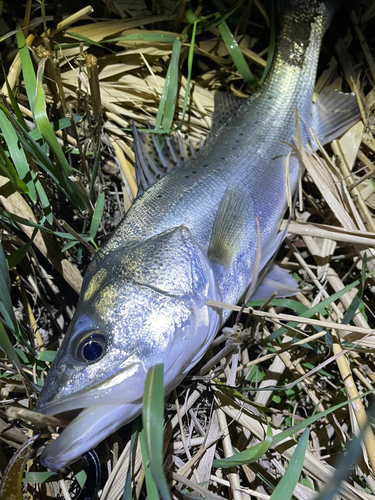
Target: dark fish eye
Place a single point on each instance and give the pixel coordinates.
(91, 348)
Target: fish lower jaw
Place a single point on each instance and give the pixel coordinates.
(85, 431)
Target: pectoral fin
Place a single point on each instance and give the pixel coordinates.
(277, 280)
(229, 230)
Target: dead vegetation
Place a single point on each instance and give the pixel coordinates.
(297, 362)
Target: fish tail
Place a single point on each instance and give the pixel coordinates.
(303, 22)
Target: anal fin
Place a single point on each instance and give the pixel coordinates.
(277, 280)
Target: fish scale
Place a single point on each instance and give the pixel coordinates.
(190, 237)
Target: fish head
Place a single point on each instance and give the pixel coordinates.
(140, 305)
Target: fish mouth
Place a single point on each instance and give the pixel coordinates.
(91, 415)
(90, 426)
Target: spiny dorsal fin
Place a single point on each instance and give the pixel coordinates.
(156, 155)
(229, 229)
(333, 113)
(225, 106)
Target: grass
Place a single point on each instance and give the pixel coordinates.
(275, 409)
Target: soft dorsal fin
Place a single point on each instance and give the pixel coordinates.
(225, 106)
(333, 113)
(229, 229)
(156, 155)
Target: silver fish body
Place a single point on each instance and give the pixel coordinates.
(190, 237)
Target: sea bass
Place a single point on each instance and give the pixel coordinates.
(190, 237)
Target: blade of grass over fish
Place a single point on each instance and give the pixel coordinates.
(318, 308)
(248, 456)
(152, 418)
(167, 103)
(27, 70)
(288, 482)
(17, 155)
(236, 54)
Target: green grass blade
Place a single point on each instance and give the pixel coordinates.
(128, 480)
(20, 253)
(7, 169)
(44, 125)
(248, 456)
(43, 198)
(84, 39)
(48, 134)
(40, 157)
(152, 489)
(288, 482)
(40, 477)
(147, 37)
(8, 317)
(285, 303)
(236, 54)
(316, 309)
(14, 103)
(277, 438)
(7, 348)
(60, 124)
(188, 79)
(167, 103)
(18, 156)
(152, 418)
(27, 69)
(343, 468)
(173, 86)
(98, 212)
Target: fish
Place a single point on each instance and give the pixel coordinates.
(194, 234)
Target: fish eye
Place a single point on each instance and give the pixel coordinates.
(91, 348)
